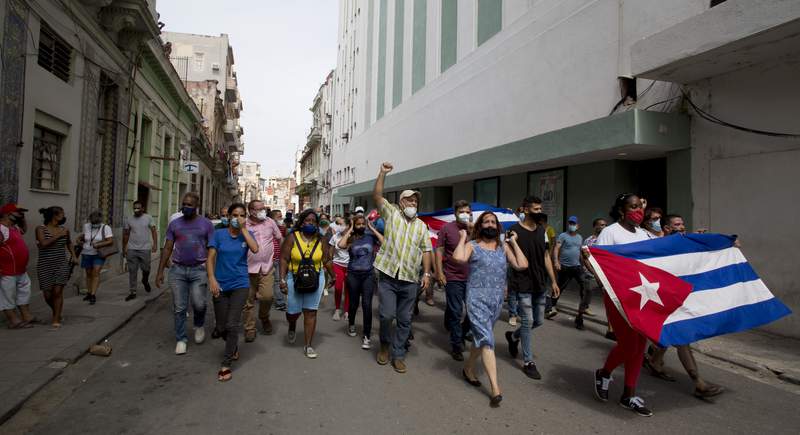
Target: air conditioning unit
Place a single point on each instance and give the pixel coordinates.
(215, 67)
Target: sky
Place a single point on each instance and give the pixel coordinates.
(283, 50)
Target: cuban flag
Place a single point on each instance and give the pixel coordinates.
(438, 219)
(681, 289)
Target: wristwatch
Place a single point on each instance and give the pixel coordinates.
(428, 274)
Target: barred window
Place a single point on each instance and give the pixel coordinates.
(46, 155)
(55, 55)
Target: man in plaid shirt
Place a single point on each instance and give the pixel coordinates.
(407, 246)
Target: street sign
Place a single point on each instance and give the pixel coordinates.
(191, 167)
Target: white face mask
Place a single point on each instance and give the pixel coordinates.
(464, 217)
(522, 216)
(261, 215)
(410, 212)
(573, 228)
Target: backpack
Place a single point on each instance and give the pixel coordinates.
(306, 279)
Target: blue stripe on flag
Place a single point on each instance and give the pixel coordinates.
(722, 277)
(725, 322)
(672, 245)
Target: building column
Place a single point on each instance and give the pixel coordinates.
(12, 87)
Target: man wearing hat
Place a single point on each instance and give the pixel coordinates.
(359, 210)
(567, 261)
(15, 285)
(406, 246)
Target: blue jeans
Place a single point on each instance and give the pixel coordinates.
(513, 305)
(277, 294)
(531, 312)
(456, 293)
(395, 302)
(188, 282)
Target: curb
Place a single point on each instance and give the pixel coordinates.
(27, 387)
(754, 366)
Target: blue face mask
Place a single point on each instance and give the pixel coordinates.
(188, 211)
(573, 228)
(235, 223)
(656, 225)
(224, 221)
(308, 229)
(522, 216)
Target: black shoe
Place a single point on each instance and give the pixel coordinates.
(473, 382)
(131, 296)
(531, 371)
(550, 314)
(468, 337)
(494, 402)
(416, 308)
(146, 285)
(636, 404)
(456, 354)
(611, 336)
(92, 299)
(87, 297)
(513, 348)
(579, 323)
(215, 334)
(601, 385)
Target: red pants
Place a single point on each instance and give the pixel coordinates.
(338, 285)
(629, 349)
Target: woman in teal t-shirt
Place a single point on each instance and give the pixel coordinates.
(229, 282)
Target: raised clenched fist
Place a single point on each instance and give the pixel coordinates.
(386, 167)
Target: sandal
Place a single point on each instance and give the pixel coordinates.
(224, 375)
(660, 374)
(710, 391)
(21, 325)
(55, 327)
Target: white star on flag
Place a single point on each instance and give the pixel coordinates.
(648, 291)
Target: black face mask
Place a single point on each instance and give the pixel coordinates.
(538, 217)
(489, 233)
(62, 221)
(359, 231)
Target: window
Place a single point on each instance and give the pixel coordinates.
(487, 191)
(46, 155)
(55, 55)
(549, 186)
(199, 61)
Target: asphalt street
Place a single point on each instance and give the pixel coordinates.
(144, 388)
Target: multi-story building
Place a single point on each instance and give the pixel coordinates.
(93, 114)
(279, 193)
(690, 103)
(206, 66)
(250, 181)
(315, 183)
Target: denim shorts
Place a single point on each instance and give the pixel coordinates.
(297, 302)
(90, 261)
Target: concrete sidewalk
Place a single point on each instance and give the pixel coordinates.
(760, 352)
(30, 358)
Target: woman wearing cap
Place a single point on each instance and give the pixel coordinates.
(487, 257)
(56, 256)
(96, 235)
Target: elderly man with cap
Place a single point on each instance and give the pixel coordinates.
(567, 262)
(406, 247)
(15, 285)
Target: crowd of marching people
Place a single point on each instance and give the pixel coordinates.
(256, 260)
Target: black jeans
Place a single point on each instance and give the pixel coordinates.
(361, 285)
(228, 311)
(456, 295)
(567, 274)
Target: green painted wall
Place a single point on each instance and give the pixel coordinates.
(418, 51)
(397, 65)
(449, 49)
(590, 192)
(463, 191)
(381, 59)
(490, 19)
(513, 188)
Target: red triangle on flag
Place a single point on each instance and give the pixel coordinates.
(646, 296)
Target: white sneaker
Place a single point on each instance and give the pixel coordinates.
(337, 315)
(199, 335)
(310, 352)
(346, 316)
(180, 348)
(366, 344)
(512, 321)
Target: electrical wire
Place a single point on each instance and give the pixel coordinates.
(711, 118)
(662, 102)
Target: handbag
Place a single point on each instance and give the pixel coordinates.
(306, 279)
(107, 251)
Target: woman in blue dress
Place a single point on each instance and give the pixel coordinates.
(487, 256)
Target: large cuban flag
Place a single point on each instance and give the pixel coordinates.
(680, 289)
(438, 219)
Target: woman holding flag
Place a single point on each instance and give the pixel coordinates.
(628, 214)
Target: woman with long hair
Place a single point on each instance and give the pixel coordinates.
(56, 256)
(488, 257)
(303, 255)
(229, 281)
(361, 247)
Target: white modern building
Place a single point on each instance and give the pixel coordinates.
(691, 103)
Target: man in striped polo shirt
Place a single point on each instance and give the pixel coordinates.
(407, 246)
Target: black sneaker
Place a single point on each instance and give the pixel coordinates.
(92, 299)
(131, 296)
(513, 348)
(457, 355)
(87, 297)
(636, 404)
(531, 371)
(601, 385)
(579, 323)
(550, 314)
(611, 336)
(146, 285)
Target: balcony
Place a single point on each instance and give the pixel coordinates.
(733, 35)
(130, 22)
(314, 137)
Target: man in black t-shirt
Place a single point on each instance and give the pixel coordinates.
(529, 286)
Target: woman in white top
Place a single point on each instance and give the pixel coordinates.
(96, 235)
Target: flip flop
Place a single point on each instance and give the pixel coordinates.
(55, 327)
(21, 325)
(224, 375)
(711, 391)
(235, 356)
